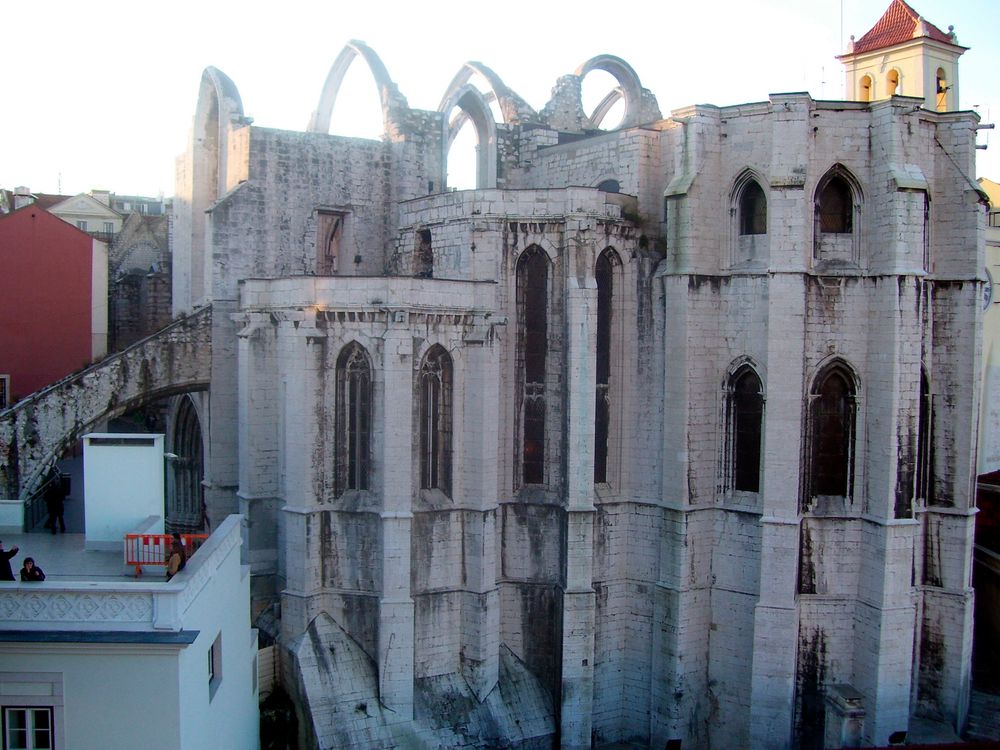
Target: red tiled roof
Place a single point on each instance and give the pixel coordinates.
(899, 24)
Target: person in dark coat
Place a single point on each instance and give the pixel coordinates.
(31, 572)
(54, 505)
(6, 574)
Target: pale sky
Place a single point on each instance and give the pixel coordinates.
(102, 94)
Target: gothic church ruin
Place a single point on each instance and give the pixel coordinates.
(663, 434)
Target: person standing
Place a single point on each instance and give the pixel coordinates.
(54, 504)
(6, 574)
(31, 572)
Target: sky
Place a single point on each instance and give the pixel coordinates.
(101, 95)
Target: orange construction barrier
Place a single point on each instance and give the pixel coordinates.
(154, 549)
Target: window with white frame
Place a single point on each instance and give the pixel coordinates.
(28, 728)
(82, 225)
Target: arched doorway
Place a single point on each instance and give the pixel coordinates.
(185, 504)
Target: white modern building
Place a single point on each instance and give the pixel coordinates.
(95, 658)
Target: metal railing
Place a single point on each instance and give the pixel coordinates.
(154, 549)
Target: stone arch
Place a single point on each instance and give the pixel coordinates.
(219, 103)
(474, 106)
(219, 106)
(513, 108)
(629, 88)
(392, 100)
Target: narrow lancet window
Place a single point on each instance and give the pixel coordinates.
(604, 273)
(925, 443)
(434, 397)
(746, 414)
(532, 304)
(353, 420)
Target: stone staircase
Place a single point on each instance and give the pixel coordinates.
(983, 722)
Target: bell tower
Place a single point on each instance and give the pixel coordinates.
(904, 55)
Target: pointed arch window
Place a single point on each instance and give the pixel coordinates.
(753, 209)
(744, 417)
(353, 419)
(434, 397)
(835, 206)
(604, 273)
(831, 432)
(532, 312)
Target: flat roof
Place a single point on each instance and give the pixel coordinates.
(63, 557)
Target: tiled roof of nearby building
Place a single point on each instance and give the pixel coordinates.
(48, 200)
(899, 24)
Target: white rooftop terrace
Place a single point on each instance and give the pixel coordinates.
(94, 591)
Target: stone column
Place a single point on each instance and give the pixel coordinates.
(300, 353)
(396, 611)
(480, 388)
(772, 688)
(258, 414)
(579, 599)
(884, 619)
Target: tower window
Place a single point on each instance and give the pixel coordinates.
(434, 394)
(892, 83)
(942, 90)
(865, 89)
